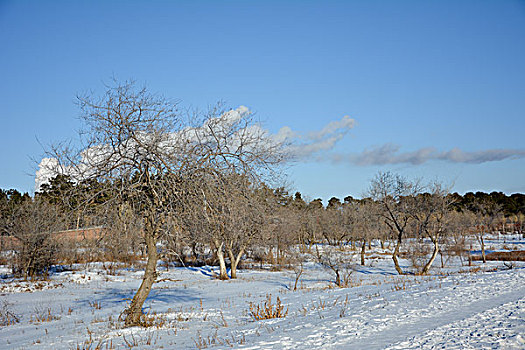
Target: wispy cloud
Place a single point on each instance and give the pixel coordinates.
(338, 127)
(492, 155)
(311, 144)
(390, 154)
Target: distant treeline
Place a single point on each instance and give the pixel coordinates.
(510, 205)
(513, 204)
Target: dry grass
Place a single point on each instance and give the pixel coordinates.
(321, 305)
(470, 270)
(153, 320)
(344, 305)
(43, 315)
(7, 317)
(268, 310)
(91, 345)
(214, 340)
(401, 286)
(204, 343)
(95, 305)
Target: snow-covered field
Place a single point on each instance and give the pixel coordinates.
(455, 308)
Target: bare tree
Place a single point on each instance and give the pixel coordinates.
(335, 259)
(299, 216)
(34, 223)
(282, 227)
(141, 148)
(335, 224)
(313, 222)
(459, 227)
(227, 208)
(487, 213)
(430, 215)
(123, 228)
(362, 219)
(394, 194)
(246, 224)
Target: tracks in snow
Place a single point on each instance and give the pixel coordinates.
(454, 312)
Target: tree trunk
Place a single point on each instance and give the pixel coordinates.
(483, 249)
(269, 256)
(432, 258)
(234, 261)
(134, 312)
(394, 256)
(298, 274)
(223, 275)
(278, 254)
(337, 278)
(27, 268)
(363, 247)
(302, 246)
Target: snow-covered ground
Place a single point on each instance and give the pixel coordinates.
(455, 308)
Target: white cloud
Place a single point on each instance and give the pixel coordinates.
(233, 132)
(47, 168)
(230, 134)
(390, 154)
(285, 133)
(310, 145)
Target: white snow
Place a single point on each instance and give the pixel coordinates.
(453, 308)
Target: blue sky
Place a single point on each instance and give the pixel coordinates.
(421, 79)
